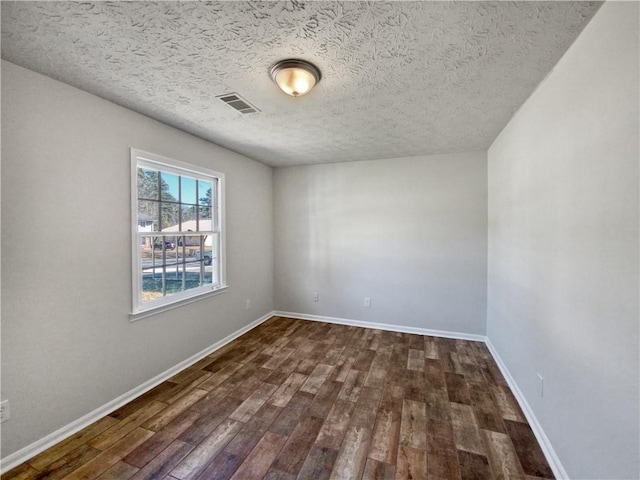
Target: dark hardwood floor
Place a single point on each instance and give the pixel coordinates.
(308, 400)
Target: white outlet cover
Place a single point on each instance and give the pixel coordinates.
(5, 414)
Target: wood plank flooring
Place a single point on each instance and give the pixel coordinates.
(294, 399)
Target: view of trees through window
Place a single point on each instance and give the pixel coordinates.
(153, 186)
(177, 232)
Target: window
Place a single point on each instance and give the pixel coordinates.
(178, 237)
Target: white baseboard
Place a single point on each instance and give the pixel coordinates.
(30, 451)
(550, 454)
(384, 326)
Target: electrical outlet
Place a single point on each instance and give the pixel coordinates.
(540, 385)
(247, 304)
(367, 302)
(316, 297)
(5, 414)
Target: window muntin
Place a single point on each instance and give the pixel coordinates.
(177, 232)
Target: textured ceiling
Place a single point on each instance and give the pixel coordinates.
(398, 79)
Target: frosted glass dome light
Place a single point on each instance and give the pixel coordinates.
(295, 77)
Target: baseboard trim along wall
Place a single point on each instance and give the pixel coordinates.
(384, 326)
(550, 454)
(61, 434)
(30, 451)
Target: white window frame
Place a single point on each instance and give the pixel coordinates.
(140, 158)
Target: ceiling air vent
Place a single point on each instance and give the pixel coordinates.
(238, 103)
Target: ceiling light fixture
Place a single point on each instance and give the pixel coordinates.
(295, 77)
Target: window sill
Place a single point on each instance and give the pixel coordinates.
(154, 311)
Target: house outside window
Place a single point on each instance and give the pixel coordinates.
(178, 236)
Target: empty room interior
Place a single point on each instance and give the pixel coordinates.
(320, 240)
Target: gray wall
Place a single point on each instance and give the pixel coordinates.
(67, 344)
(408, 233)
(563, 249)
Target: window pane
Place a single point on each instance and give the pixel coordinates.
(194, 269)
(147, 216)
(169, 187)
(172, 253)
(151, 278)
(188, 190)
(189, 242)
(173, 280)
(146, 251)
(170, 217)
(204, 192)
(205, 219)
(147, 183)
(151, 284)
(188, 218)
(161, 244)
(156, 254)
